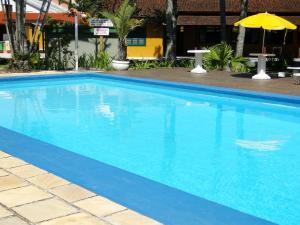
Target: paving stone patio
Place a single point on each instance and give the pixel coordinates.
(32, 196)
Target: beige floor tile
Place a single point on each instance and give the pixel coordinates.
(3, 154)
(12, 221)
(76, 219)
(129, 217)
(20, 196)
(72, 193)
(99, 206)
(47, 181)
(3, 173)
(10, 182)
(4, 212)
(27, 171)
(10, 162)
(45, 210)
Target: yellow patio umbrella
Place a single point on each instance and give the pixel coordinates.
(266, 21)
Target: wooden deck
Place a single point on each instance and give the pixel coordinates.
(219, 78)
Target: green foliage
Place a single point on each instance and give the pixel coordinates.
(166, 63)
(123, 23)
(278, 64)
(145, 64)
(35, 61)
(26, 62)
(239, 64)
(102, 61)
(221, 57)
(122, 19)
(91, 7)
(162, 63)
(58, 55)
(186, 63)
(84, 61)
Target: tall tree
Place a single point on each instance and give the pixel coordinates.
(20, 27)
(21, 53)
(17, 32)
(91, 7)
(242, 30)
(222, 4)
(171, 25)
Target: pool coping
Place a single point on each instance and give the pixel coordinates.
(160, 202)
(49, 193)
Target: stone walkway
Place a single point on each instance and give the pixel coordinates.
(29, 195)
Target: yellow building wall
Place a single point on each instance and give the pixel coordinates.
(154, 44)
(29, 33)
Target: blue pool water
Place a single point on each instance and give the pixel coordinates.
(241, 153)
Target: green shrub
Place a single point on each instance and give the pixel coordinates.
(102, 61)
(185, 63)
(59, 57)
(161, 63)
(239, 64)
(143, 64)
(84, 61)
(26, 62)
(221, 57)
(278, 64)
(165, 63)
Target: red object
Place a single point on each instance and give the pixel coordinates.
(32, 17)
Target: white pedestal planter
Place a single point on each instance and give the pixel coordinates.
(120, 65)
(261, 66)
(281, 74)
(198, 61)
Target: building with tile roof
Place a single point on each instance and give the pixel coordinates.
(199, 23)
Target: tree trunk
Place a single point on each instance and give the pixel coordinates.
(171, 24)
(242, 30)
(20, 27)
(223, 19)
(122, 50)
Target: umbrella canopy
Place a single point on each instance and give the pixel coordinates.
(266, 21)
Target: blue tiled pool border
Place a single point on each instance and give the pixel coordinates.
(158, 201)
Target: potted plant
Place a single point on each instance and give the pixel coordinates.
(123, 23)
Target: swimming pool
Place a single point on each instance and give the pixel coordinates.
(238, 151)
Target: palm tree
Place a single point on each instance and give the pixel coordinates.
(242, 30)
(123, 23)
(222, 4)
(171, 24)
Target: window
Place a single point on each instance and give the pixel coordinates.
(137, 37)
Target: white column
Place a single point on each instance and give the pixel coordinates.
(198, 64)
(76, 43)
(261, 69)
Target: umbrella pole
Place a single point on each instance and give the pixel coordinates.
(263, 42)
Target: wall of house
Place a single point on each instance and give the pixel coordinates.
(90, 45)
(29, 34)
(154, 44)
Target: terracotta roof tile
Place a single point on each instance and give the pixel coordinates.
(231, 5)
